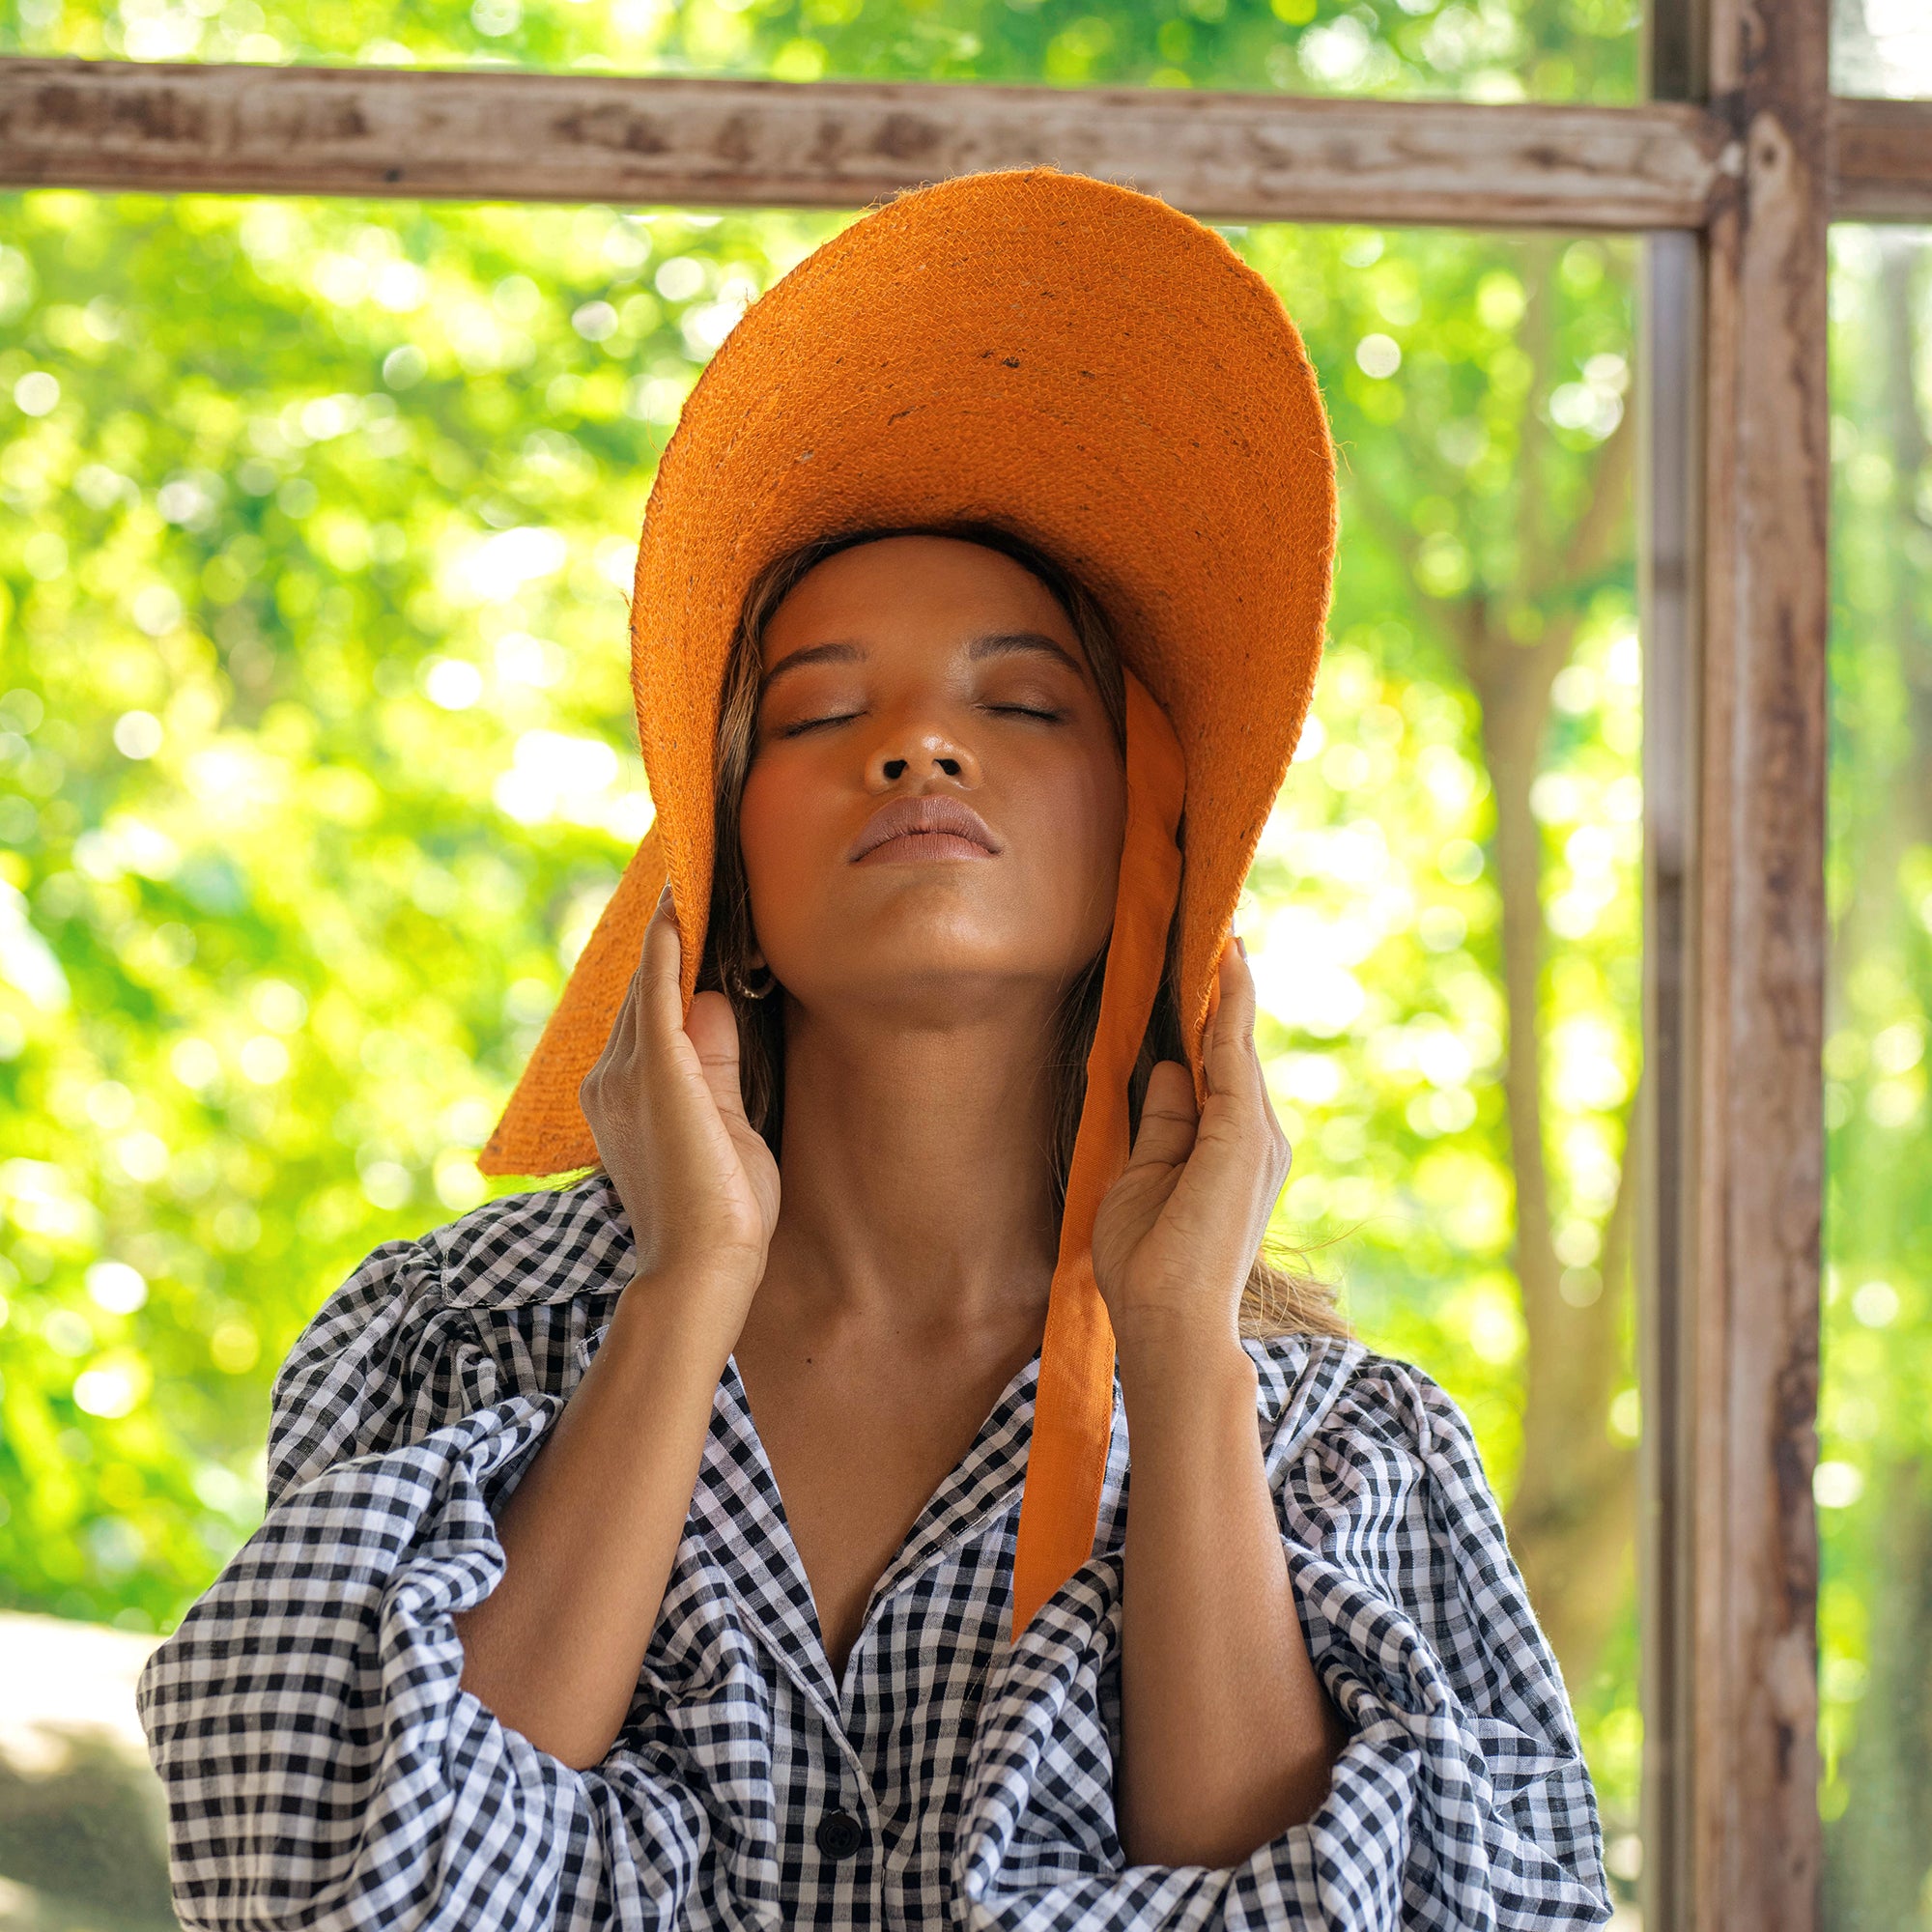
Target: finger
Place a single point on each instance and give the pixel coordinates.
(1236, 1070)
(1229, 1053)
(659, 991)
(713, 1029)
(627, 1024)
(1167, 1117)
(621, 1040)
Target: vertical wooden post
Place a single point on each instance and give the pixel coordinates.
(1755, 1031)
(1670, 576)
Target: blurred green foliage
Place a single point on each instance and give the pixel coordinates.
(1476, 49)
(1874, 1478)
(319, 764)
(317, 760)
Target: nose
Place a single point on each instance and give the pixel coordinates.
(917, 754)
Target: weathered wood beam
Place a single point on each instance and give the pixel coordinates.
(1676, 44)
(493, 135)
(1883, 165)
(1753, 1085)
(1670, 578)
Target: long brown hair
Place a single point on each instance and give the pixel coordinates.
(1279, 1300)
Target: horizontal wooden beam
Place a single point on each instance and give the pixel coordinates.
(1883, 167)
(496, 135)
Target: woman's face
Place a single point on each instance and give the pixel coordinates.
(934, 809)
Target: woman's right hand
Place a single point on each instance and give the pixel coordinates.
(695, 1179)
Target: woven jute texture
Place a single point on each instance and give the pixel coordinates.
(1079, 362)
(1091, 369)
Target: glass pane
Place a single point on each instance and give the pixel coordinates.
(318, 765)
(1882, 48)
(1509, 50)
(1875, 1501)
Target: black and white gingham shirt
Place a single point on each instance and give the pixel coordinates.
(323, 1770)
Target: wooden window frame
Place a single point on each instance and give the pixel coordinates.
(1730, 171)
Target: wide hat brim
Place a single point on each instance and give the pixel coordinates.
(1103, 376)
(1077, 361)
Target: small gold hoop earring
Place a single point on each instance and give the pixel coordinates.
(746, 991)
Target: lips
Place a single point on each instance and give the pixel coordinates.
(943, 826)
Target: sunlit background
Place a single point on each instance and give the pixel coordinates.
(316, 766)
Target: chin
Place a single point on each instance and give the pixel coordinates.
(927, 974)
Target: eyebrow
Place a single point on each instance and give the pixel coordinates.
(1003, 644)
(831, 653)
(993, 644)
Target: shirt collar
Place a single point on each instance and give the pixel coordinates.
(738, 1509)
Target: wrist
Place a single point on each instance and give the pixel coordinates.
(1162, 1354)
(695, 1312)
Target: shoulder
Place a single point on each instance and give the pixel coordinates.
(1336, 1389)
(547, 1244)
(1374, 1463)
(1353, 1434)
(408, 1342)
(1379, 1471)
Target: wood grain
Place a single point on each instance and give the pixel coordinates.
(1759, 989)
(1882, 166)
(497, 135)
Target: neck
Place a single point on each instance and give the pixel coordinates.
(915, 1186)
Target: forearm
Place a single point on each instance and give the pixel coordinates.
(1228, 1737)
(592, 1531)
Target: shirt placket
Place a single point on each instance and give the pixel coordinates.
(881, 1706)
(738, 1508)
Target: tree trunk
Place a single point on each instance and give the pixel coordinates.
(1572, 1520)
(1573, 1517)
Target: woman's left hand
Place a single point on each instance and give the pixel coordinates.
(1176, 1234)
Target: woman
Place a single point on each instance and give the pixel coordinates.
(741, 1535)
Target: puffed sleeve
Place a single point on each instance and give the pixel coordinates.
(322, 1767)
(1463, 1772)
(1461, 1799)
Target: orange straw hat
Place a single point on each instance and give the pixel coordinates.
(1103, 376)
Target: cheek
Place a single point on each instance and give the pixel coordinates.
(1075, 814)
(794, 824)
(775, 821)
(761, 825)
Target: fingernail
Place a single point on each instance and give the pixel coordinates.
(1242, 945)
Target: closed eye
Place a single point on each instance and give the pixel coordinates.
(1046, 714)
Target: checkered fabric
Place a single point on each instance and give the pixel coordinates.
(323, 1770)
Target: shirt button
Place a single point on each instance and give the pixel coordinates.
(840, 1834)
